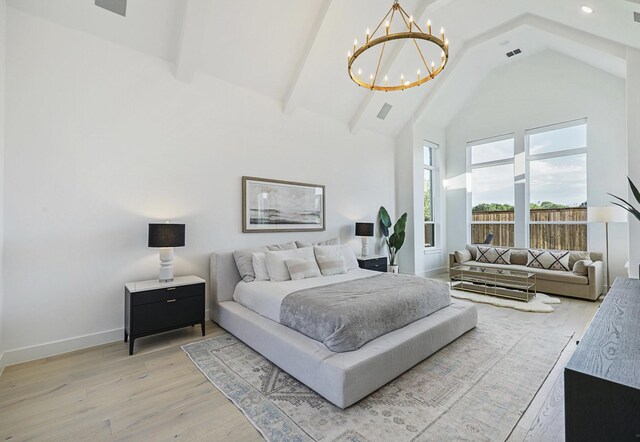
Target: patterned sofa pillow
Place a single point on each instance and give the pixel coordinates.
(494, 255)
(548, 259)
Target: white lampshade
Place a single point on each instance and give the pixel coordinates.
(608, 214)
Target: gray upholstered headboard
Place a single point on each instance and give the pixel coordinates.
(223, 278)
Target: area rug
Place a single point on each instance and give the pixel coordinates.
(476, 388)
(540, 304)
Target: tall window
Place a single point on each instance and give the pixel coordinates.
(430, 172)
(492, 190)
(557, 186)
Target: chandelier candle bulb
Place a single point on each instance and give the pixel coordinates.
(429, 26)
(410, 23)
(386, 25)
(368, 34)
(442, 34)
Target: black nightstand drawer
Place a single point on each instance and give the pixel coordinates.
(164, 294)
(377, 264)
(168, 314)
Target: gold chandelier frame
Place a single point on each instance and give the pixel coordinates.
(431, 70)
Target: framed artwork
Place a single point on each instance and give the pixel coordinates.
(281, 206)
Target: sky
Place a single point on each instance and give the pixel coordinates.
(561, 180)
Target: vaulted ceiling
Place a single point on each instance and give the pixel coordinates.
(295, 51)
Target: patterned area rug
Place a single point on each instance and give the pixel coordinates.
(540, 304)
(476, 389)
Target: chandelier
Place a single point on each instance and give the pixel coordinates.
(409, 31)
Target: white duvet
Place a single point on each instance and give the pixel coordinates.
(265, 297)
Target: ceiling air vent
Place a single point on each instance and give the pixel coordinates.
(514, 52)
(117, 6)
(384, 111)
(636, 16)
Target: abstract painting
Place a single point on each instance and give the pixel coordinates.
(281, 206)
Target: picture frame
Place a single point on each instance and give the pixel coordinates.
(270, 206)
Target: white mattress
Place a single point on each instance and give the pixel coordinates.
(265, 297)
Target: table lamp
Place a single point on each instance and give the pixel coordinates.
(365, 230)
(606, 215)
(166, 237)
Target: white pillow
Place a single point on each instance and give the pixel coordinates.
(302, 268)
(276, 266)
(330, 260)
(350, 260)
(260, 266)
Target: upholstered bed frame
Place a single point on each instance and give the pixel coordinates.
(342, 378)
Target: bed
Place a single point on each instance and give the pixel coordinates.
(343, 378)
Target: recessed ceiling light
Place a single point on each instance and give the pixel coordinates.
(587, 9)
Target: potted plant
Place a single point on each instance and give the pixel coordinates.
(396, 240)
(628, 207)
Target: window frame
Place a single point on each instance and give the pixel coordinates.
(471, 166)
(435, 171)
(544, 156)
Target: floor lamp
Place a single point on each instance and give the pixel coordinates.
(606, 215)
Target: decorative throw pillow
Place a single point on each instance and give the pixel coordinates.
(581, 267)
(549, 259)
(260, 267)
(576, 255)
(350, 260)
(473, 250)
(329, 242)
(275, 262)
(330, 260)
(244, 258)
(302, 269)
(463, 256)
(494, 255)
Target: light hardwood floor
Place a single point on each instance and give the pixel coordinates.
(102, 393)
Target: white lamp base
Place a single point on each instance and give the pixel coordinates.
(166, 264)
(365, 247)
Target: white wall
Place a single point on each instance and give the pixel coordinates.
(544, 89)
(102, 140)
(414, 258)
(3, 27)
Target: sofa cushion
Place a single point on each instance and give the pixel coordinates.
(494, 255)
(549, 259)
(463, 256)
(541, 274)
(473, 250)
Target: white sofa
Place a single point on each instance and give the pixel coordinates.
(589, 286)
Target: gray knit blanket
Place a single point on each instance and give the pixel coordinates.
(347, 315)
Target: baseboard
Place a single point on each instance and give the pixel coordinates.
(433, 272)
(54, 348)
(26, 354)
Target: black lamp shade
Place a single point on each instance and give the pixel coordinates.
(166, 235)
(364, 229)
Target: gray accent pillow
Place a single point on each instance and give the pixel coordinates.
(581, 267)
(575, 256)
(473, 250)
(244, 258)
(519, 257)
(329, 242)
(462, 256)
(302, 269)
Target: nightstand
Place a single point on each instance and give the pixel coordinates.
(152, 307)
(377, 263)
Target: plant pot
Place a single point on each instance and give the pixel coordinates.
(392, 269)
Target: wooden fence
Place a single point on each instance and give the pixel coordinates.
(542, 236)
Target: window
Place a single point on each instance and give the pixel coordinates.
(492, 190)
(430, 173)
(557, 186)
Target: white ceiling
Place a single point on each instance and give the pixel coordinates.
(295, 51)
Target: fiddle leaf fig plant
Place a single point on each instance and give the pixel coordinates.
(396, 240)
(626, 205)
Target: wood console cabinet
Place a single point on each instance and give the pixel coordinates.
(152, 307)
(602, 378)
